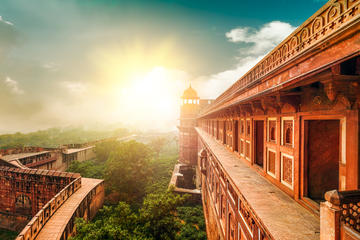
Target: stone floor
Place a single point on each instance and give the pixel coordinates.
(280, 214)
(57, 223)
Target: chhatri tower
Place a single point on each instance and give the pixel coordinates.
(189, 109)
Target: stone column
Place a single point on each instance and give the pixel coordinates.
(330, 216)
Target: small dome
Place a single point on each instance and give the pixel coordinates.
(190, 93)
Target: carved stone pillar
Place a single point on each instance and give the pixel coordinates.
(330, 216)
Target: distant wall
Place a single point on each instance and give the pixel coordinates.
(59, 164)
(86, 154)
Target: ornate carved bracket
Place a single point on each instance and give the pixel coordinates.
(270, 104)
(344, 92)
(257, 107)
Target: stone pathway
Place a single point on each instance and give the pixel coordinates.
(57, 223)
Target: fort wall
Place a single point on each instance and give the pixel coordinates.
(24, 192)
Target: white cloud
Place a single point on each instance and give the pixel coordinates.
(7, 22)
(256, 44)
(212, 86)
(262, 40)
(13, 86)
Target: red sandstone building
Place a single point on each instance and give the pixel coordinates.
(279, 150)
(47, 158)
(42, 203)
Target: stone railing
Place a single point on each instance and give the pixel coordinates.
(32, 229)
(340, 215)
(333, 16)
(86, 209)
(221, 190)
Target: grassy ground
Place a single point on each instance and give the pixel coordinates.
(7, 235)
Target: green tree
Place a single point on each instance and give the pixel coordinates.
(158, 218)
(155, 220)
(103, 149)
(193, 223)
(157, 144)
(118, 223)
(128, 170)
(89, 169)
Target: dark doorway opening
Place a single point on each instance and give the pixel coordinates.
(259, 143)
(236, 136)
(322, 157)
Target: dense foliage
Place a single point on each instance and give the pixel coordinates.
(156, 219)
(55, 137)
(128, 170)
(139, 205)
(193, 223)
(90, 169)
(7, 235)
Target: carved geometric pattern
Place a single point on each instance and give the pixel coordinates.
(350, 215)
(242, 147)
(287, 170)
(271, 162)
(247, 149)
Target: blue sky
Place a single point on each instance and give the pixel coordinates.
(54, 53)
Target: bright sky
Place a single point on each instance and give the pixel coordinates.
(101, 62)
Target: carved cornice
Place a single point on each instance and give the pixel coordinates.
(332, 17)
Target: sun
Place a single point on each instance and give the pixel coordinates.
(140, 85)
(152, 90)
(152, 96)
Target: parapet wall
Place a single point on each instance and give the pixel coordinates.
(24, 192)
(32, 229)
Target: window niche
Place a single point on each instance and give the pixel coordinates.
(287, 131)
(272, 130)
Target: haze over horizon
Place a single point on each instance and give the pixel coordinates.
(102, 62)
